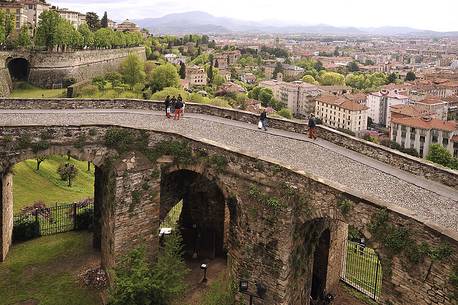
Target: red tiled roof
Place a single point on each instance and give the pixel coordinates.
(341, 102)
(423, 123)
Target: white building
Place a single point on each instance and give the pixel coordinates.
(434, 105)
(298, 97)
(420, 133)
(75, 18)
(33, 10)
(379, 104)
(341, 112)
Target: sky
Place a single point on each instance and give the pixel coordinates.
(438, 15)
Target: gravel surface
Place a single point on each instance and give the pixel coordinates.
(298, 153)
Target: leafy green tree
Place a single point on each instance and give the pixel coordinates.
(93, 21)
(46, 34)
(103, 38)
(87, 34)
(132, 70)
(2, 28)
(10, 25)
(182, 70)
(265, 96)
(286, 113)
(24, 39)
(438, 154)
(164, 76)
(309, 79)
(353, 66)
(64, 34)
(392, 77)
(278, 69)
(410, 76)
(210, 74)
(104, 21)
(331, 78)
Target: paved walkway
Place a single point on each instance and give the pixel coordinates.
(428, 199)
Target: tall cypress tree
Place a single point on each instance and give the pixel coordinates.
(104, 21)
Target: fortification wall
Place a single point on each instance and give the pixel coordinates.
(50, 69)
(5, 82)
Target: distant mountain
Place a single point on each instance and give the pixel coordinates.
(204, 23)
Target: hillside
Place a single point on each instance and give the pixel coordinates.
(45, 185)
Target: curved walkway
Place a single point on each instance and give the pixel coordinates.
(431, 201)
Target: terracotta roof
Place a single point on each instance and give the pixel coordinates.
(409, 110)
(341, 102)
(424, 123)
(431, 100)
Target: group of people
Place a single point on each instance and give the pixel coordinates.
(311, 124)
(174, 105)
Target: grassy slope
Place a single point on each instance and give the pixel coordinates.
(46, 269)
(45, 185)
(34, 92)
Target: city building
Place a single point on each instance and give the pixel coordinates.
(128, 26)
(380, 102)
(341, 112)
(33, 10)
(17, 11)
(112, 24)
(248, 78)
(196, 76)
(75, 18)
(434, 104)
(298, 97)
(420, 133)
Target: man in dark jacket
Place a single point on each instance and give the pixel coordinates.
(312, 127)
(263, 120)
(167, 106)
(178, 109)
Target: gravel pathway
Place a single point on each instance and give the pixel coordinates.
(431, 201)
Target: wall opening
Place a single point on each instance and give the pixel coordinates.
(201, 220)
(320, 266)
(19, 69)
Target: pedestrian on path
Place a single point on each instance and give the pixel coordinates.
(173, 101)
(178, 109)
(263, 120)
(184, 105)
(312, 127)
(167, 106)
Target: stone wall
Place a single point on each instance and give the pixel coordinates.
(6, 214)
(386, 155)
(271, 208)
(50, 69)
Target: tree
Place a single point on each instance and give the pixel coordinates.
(104, 21)
(164, 76)
(286, 113)
(67, 172)
(2, 28)
(182, 70)
(438, 154)
(10, 25)
(410, 76)
(93, 21)
(309, 79)
(47, 29)
(331, 78)
(132, 70)
(210, 74)
(352, 66)
(136, 282)
(278, 69)
(265, 96)
(392, 77)
(24, 39)
(87, 34)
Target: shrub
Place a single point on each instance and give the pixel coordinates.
(88, 91)
(119, 139)
(25, 228)
(286, 113)
(221, 292)
(85, 220)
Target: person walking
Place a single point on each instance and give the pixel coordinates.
(312, 127)
(167, 106)
(173, 101)
(263, 120)
(184, 105)
(178, 109)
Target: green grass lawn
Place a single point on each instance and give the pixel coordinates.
(361, 270)
(45, 185)
(47, 269)
(28, 91)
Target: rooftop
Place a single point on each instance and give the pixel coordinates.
(426, 123)
(342, 102)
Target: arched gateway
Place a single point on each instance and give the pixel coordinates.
(279, 227)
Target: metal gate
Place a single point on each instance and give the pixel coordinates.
(361, 269)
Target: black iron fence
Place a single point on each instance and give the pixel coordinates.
(41, 221)
(361, 269)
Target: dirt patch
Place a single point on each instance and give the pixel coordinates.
(343, 297)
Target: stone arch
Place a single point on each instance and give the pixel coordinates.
(205, 218)
(19, 68)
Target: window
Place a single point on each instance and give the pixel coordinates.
(445, 142)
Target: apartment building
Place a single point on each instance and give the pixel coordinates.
(298, 97)
(420, 133)
(434, 104)
(33, 10)
(17, 11)
(226, 59)
(196, 76)
(379, 104)
(75, 18)
(341, 112)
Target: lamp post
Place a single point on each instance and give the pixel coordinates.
(204, 267)
(260, 290)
